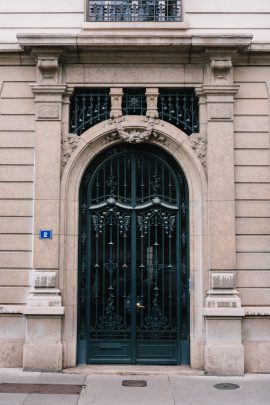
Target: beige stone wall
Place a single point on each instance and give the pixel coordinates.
(256, 338)
(16, 180)
(252, 184)
(68, 16)
(233, 16)
(45, 16)
(12, 338)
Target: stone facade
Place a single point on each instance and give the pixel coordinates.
(226, 165)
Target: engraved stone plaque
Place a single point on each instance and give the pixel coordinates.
(44, 279)
(222, 281)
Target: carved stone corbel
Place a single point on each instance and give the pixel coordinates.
(221, 71)
(48, 67)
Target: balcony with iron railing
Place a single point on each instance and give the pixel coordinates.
(134, 11)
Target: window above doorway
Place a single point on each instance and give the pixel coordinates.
(134, 10)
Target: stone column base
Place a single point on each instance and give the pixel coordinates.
(222, 359)
(42, 357)
(43, 349)
(223, 351)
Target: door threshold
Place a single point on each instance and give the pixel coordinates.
(118, 369)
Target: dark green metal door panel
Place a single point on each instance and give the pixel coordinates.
(157, 352)
(110, 352)
(133, 279)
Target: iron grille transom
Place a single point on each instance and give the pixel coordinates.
(134, 10)
(89, 107)
(177, 106)
(180, 107)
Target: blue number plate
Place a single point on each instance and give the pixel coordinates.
(45, 234)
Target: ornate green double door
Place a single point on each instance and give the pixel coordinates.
(133, 259)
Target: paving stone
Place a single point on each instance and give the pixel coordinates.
(108, 390)
(59, 378)
(16, 375)
(200, 390)
(12, 399)
(44, 399)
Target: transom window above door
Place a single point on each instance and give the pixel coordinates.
(178, 106)
(134, 10)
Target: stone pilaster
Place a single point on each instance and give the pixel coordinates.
(224, 352)
(48, 99)
(152, 102)
(43, 347)
(217, 120)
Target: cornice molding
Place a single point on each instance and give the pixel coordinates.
(70, 40)
(135, 39)
(218, 90)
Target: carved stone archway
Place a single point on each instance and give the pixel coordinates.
(134, 129)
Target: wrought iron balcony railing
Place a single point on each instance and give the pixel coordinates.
(134, 10)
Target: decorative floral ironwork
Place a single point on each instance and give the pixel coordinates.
(111, 320)
(111, 183)
(134, 102)
(155, 183)
(166, 220)
(100, 219)
(157, 320)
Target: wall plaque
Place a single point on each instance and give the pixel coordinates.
(223, 281)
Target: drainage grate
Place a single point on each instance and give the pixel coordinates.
(226, 386)
(134, 383)
(14, 388)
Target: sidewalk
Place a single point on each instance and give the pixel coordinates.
(107, 389)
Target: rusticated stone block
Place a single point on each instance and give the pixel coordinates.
(220, 111)
(11, 354)
(48, 111)
(44, 357)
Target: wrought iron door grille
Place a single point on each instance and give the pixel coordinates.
(134, 10)
(133, 259)
(180, 108)
(134, 102)
(88, 107)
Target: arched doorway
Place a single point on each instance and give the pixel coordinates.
(133, 286)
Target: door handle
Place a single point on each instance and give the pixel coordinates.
(139, 306)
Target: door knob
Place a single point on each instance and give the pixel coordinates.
(139, 306)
